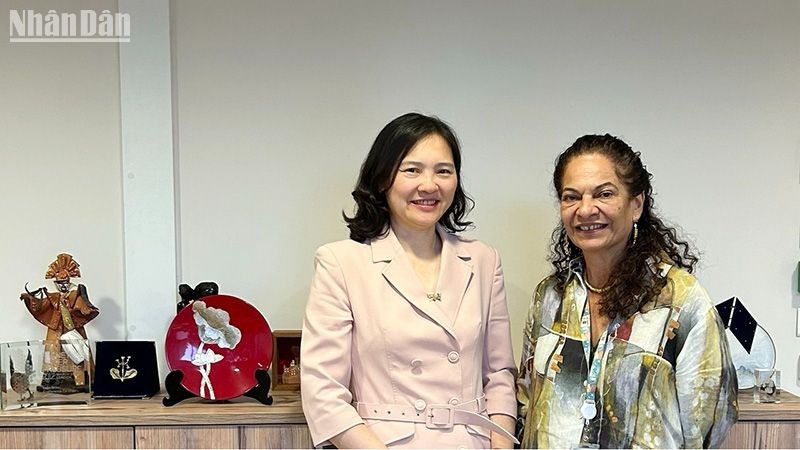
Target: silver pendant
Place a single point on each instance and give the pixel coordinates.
(588, 410)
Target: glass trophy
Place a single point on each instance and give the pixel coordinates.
(768, 386)
(38, 373)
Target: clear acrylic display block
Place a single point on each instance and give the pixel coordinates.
(38, 373)
(768, 386)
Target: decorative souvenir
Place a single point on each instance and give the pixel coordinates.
(217, 344)
(126, 369)
(64, 313)
(750, 344)
(25, 380)
(767, 386)
(286, 360)
(291, 374)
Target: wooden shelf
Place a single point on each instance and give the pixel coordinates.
(193, 423)
(766, 425)
(787, 410)
(286, 409)
(245, 423)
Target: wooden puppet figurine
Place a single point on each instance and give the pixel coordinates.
(64, 313)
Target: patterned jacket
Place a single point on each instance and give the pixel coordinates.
(666, 381)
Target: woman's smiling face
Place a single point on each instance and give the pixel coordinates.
(596, 208)
(424, 185)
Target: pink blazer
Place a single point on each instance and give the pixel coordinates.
(371, 335)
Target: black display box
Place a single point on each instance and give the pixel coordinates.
(126, 369)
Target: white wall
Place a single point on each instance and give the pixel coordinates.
(278, 102)
(60, 183)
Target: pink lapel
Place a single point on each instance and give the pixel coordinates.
(455, 274)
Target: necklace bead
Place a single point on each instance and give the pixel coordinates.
(592, 288)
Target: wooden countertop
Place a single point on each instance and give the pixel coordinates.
(787, 410)
(286, 409)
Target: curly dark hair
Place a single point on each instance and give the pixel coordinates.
(631, 284)
(396, 139)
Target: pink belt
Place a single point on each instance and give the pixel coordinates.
(434, 416)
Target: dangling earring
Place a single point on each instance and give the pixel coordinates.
(635, 232)
(565, 245)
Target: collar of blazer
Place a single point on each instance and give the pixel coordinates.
(455, 273)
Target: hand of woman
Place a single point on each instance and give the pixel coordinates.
(358, 436)
(508, 423)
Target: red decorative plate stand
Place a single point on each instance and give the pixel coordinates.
(216, 372)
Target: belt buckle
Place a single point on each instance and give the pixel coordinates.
(439, 416)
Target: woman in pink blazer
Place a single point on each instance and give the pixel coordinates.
(406, 339)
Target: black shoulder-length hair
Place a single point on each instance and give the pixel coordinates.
(396, 139)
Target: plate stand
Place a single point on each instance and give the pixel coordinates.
(176, 393)
(261, 391)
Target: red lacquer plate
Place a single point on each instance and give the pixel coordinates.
(218, 342)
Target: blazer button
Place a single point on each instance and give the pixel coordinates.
(453, 357)
(416, 362)
(420, 405)
(454, 401)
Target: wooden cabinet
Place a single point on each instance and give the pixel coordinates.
(240, 423)
(272, 436)
(766, 425)
(244, 423)
(187, 437)
(67, 437)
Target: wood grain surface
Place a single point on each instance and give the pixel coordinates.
(787, 410)
(286, 409)
(275, 436)
(67, 437)
(187, 437)
(245, 423)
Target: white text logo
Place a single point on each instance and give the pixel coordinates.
(85, 26)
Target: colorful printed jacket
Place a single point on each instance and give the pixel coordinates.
(667, 380)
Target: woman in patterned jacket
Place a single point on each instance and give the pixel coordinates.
(622, 346)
